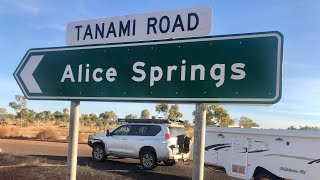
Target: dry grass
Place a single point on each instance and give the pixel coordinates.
(47, 131)
(9, 131)
(28, 167)
(83, 137)
(15, 132)
(4, 131)
(48, 134)
(190, 132)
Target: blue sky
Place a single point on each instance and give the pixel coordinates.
(32, 24)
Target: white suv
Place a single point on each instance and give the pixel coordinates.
(150, 140)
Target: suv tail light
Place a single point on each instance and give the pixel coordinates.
(167, 136)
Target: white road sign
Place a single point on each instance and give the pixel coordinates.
(188, 22)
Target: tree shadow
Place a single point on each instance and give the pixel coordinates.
(130, 168)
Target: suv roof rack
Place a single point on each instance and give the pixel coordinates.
(158, 121)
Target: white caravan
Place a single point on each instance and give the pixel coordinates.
(264, 154)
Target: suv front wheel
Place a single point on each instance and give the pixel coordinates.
(148, 160)
(98, 153)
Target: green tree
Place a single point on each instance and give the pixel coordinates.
(131, 116)
(3, 115)
(145, 114)
(247, 122)
(19, 104)
(174, 113)
(107, 117)
(48, 116)
(93, 118)
(292, 128)
(65, 115)
(85, 120)
(162, 109)
(57, 115)
(29, 115)
(186, 124)
(41, 117)
(11, 116)
(216, 114)
(309, 128)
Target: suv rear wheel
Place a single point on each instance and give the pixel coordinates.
(98, 153)
(169, 162)
(148, 160)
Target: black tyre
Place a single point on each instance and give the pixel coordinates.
(148, 160)
(264, 175)
(170, 162)
(98, 153)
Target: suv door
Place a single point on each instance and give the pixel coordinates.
(117, 141)
(136, 141)
(142, 135)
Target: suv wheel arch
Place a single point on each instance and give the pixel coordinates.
(147, 148)
(148, 152)
(99, 143)
(98, 152)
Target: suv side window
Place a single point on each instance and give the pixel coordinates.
(122, 131)
(153, 130)
(144, 130)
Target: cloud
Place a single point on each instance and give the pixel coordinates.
(58, 27)
(26, 6)
(316, 114)
(8, 84)
(276, 121)
(299, 98)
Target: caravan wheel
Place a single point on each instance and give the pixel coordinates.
(266, 176)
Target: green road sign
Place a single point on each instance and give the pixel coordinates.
(242, 68)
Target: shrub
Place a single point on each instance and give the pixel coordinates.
(48, 134)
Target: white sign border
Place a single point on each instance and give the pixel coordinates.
(267, 34)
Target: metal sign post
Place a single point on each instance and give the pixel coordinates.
(199, 141)
(73, 140)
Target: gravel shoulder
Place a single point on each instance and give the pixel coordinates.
(28, 159)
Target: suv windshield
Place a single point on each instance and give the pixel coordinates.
(176, 131)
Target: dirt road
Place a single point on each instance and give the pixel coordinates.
(128, 168)
(33, 147)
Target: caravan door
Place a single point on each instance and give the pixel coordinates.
(239, 157)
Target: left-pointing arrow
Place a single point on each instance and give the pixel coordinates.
(27, 74)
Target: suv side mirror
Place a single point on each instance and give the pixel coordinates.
(108, 133)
